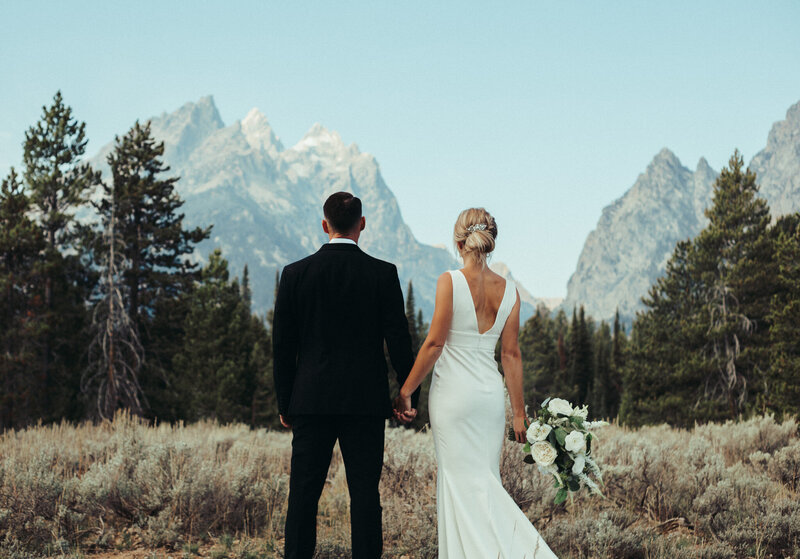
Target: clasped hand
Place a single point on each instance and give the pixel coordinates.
(403, 412)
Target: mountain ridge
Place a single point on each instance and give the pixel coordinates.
(265, 199)
(636, 234)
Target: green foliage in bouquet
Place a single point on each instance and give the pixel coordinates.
(560, 444)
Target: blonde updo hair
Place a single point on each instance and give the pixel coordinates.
(477, 230)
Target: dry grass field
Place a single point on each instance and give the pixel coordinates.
(126, 489)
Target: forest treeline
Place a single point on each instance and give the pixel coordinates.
(103, 307)
(719, 336)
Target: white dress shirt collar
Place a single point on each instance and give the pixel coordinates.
(337, 240)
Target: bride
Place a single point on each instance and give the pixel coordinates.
(474, 308)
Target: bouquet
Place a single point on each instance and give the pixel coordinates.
(560, 444)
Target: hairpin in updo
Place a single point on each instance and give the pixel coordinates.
(476, 227)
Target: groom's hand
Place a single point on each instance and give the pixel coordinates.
(285, 422)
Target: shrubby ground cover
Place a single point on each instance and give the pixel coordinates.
(715, 491)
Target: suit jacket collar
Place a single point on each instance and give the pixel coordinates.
(339, 246)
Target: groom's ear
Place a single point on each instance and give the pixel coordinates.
(325, 226)
(363, 223)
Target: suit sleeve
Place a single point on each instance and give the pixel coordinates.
(284, 343)
(396, 333)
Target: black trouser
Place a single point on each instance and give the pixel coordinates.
(361, 442)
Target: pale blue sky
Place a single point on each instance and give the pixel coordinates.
(543, 112)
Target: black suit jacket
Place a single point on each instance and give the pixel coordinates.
(333, 311)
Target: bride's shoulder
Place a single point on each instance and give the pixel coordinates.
(445, 279)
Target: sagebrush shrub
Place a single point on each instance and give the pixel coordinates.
(126, 484)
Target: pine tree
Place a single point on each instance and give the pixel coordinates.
(147, 206)
(782, 395)
(580, 361)
(21, 305)
(619, 345)
(418, 330)
(411, 317)
(700, 351)
(115, 354)
(59, 185)
(665, 367)
(603, 389)
(264, 402)
(156, 246)
(735, 262)
(213, 364)
(540, 358)
(561, 328)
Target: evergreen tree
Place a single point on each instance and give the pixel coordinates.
(264, 402)
(540, 358)
(580, 359)
(418, 330)
(735, 254)
(115, 354)
(156, 246)
(21, 305)
(411, 317)
(59, 185)
(619, 344)
(782, 394)
(561, 327)
(665, 367)
(214, 363)
(603, 389)
(147, 205)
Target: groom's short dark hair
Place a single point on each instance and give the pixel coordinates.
(342, 211)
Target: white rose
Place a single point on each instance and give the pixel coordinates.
(543, 453)
(582, 412)
(575, 442)
(538, 432)
(559, 406)
(580, 462)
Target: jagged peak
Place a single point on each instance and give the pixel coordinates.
(259, 133)
(320, 131)
(255, 117)
(793, 113)
(667, 155)
(203, 111)
(703, 166)
(320, 137)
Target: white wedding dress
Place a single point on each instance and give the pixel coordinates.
(478, 519)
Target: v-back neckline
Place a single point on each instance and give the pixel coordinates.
(475, 311)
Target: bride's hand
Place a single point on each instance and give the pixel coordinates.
(520, 429)
(403, 412)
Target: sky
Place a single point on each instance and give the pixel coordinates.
(543, 112)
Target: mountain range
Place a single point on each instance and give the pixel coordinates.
(635, 235)
(265, 200)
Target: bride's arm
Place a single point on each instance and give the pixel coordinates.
(432, 346)
(512, 369)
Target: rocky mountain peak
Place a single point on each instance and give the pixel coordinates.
(666, 156)
(703, 166)
(777, 166)
(185, 129)
(636, 235)
(793, 114)
(320, 138)
(259, 133)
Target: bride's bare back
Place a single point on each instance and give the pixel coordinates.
(487, 289)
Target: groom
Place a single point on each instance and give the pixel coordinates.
(333, 312)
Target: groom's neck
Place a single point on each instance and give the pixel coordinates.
(352, 236)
